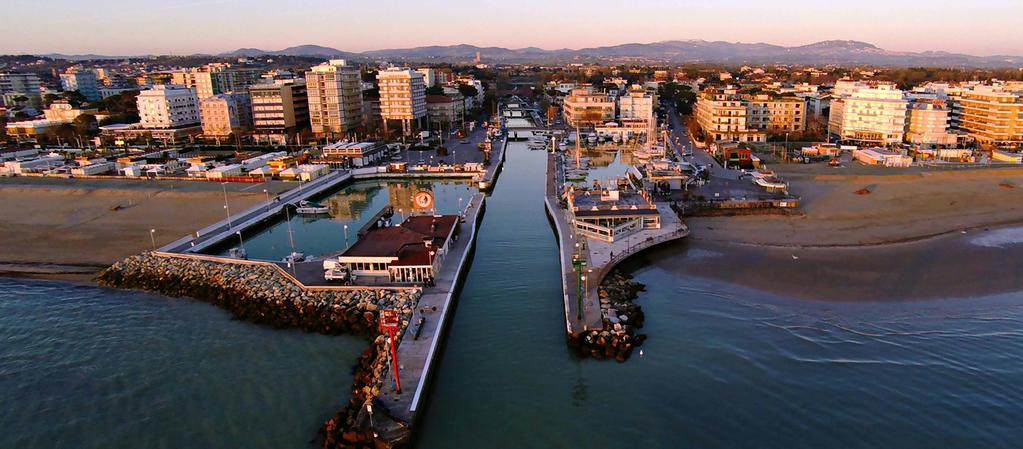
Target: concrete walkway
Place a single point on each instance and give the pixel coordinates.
(225, 229)
(417, 354)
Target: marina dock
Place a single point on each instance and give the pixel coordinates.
(226, 229)
(419, 346)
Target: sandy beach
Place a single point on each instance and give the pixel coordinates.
(900, 206)
(70, 229)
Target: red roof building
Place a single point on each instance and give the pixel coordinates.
(406, 253)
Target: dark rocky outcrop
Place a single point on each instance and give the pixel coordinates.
(622, 318)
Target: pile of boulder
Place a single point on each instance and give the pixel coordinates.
(260, 293)
(621, 318)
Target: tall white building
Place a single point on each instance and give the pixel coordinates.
(868, 112)
(637, 104)
(15, 85)
(335, 97)
(82, 80)
(168, 106)
(402, 95)
(429, 77)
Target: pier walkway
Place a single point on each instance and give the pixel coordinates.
(419, 345)
(225, 229)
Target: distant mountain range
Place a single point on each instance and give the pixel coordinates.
(678, 51)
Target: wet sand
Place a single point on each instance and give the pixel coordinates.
(900, 207)
(67, 229)
(951, 266)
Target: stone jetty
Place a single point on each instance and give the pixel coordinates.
(619, 335)
(261, 293)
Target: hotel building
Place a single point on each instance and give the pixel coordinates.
(335, 98)
(723, 116)
(82, 80)
(868, 112)
(585, 106)
(992, 115)
(776, 114)
(14, 85)
(402, 96)
(928, 123)
(279, 110)
(225, 114)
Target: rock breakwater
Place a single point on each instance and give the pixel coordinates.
(262, 294)
(622, 319)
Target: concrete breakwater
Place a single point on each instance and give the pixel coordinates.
(619, 335)
(260, 293)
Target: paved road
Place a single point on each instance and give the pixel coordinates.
(458, 153)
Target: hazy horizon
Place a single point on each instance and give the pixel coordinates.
(141, 27)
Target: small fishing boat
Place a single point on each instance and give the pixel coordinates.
(237, 253)
(311, 208)
(294, 257)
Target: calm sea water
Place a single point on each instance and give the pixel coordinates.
(353, 207)
(724, 367)
(85, 367)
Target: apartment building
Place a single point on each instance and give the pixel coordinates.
(637, 104)
(213, 79)
(168, 106)
(776, 114)
(429, 77)
(16, 85)
(585, 106)
(279, 110)
(927, 123)
(82, 80)
(992, 115)
(402, 95)
(873, 112)
(445, 110)
(335, 98)
(225, 114)
(723, 116)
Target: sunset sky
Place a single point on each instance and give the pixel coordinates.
(133, 27)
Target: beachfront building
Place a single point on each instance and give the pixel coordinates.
(584, 106)
(14, 86)
(928, 123)
(169, 112)
(992, 115)
(882, 157)
(279, 111)
(225, 114)
(775, 114)
(402, 96)
(723, 116)
(407, 253)
(31, 129)
(82, 80)
(335, 98)
(868, 112)
(445, 110)
(609, 214)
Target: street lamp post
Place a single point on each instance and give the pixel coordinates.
(346, 236)
(223, 185)
(152, 238)
(241, 243)
(267, 199)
